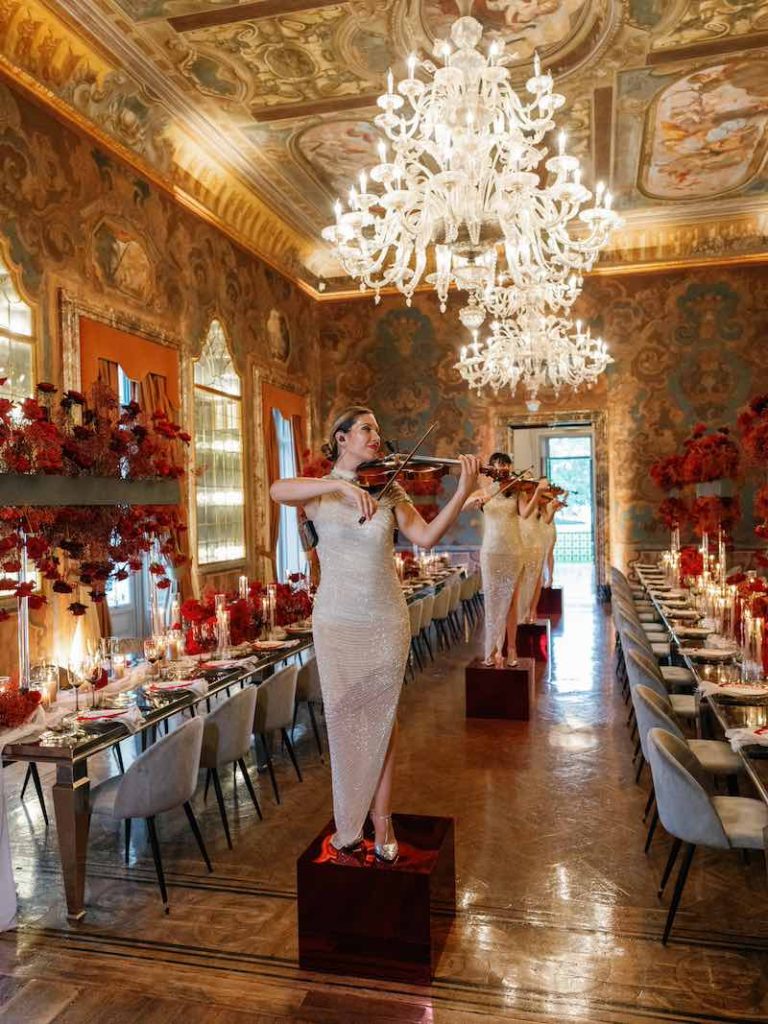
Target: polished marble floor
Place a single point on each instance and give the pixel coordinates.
(558, 918)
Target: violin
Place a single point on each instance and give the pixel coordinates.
(378, 472)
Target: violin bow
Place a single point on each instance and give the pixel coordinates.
(403, 464)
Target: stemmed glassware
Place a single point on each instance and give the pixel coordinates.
(153, 652)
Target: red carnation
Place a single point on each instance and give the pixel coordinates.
(46, 388)
(77, 608)
(62, 587)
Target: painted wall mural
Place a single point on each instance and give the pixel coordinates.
(708, 21)
(688, 346)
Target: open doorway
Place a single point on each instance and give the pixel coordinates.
(571, 450)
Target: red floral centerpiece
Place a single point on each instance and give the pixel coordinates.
(691, 562)
(711, 514)
(667, 473)
(673, 512)
(17, 705)
(709, 455)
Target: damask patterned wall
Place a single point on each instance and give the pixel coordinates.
(688, 346)
(73, 217)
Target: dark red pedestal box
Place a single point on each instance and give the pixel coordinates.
(533, 640)
(551, 603)
(360, 916)
(500, 692)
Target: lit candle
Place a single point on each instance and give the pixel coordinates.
(242, 588)
(118, 665)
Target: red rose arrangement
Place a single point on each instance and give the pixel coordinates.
(691, 562)
(708, 515)
(292, 603)
(673, 512)
(667, 473)
(709, 456)
(16, 706)
(96, 437)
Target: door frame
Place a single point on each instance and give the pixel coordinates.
(598, 420)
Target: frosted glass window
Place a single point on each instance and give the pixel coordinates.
(16, 341)
(220, 493)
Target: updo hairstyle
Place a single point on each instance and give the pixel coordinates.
(342, 424)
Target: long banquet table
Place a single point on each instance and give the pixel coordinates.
(71, 791)
(729, 713)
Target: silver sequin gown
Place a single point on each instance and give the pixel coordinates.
(362, 636)
(534, 549)
(500, 565)
(550, 535)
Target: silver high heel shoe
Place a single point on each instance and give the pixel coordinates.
(388, 851)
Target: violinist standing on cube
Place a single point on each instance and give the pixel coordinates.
(360, 619)
(503, 555)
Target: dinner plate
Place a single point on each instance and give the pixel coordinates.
(742, 690)
(682, 613)
(711, 653)
(273, 645)
(693, 631)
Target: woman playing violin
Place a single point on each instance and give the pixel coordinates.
(504, 505)
(360, 619)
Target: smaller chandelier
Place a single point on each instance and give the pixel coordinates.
(539, 351)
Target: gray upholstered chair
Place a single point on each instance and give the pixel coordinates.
(715, 757)
(644, 671)
(227, 740)
(308, 692)
(692, 816)
(440, 613)
(427, 608)
(162, 778)
(275, 701)
(415, 616)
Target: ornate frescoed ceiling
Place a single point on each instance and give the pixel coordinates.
(258, 113)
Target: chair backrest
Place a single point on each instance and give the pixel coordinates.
(228, 729)
(275, 700)
(163, 777)
(427, 609)
(467, 588)
(643, 671)
(415, 612)
(442, 604)
(685, 808)
(308, 681)
(653, 712)
(455, 598)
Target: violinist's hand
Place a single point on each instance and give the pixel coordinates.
(358, 498)
(470, 468)
(542, 485)
(476, 501)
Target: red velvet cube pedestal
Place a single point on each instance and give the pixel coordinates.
(360, 916)
(500, 692)
(533, 640)
(551, 603)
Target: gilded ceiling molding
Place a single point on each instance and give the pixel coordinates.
(54, 66)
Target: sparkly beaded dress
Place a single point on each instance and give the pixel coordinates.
(500, 565)
(362, 636)
(534, 550)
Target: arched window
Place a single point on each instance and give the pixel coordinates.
(17, 341)
(220, 494)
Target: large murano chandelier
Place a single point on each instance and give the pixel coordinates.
(465, 192)
(540, 352)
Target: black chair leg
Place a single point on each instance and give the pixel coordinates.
(679, 886)
(197, 834)
(270, 767)
(428, 642)
(127, 840)
(220, 801)
(640, 766)
(249, 786)
(669, 865)
(651, 830)
(292, 755)
(38, 789)
(732, 783)
(158, 861)
(315, 729)
(119, 758)
(207, 784)
(649, 803)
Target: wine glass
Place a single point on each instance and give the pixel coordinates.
(153, 652)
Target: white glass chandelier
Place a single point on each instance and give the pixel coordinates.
(540, 351)
(464, 192)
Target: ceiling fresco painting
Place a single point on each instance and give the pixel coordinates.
(261, 111)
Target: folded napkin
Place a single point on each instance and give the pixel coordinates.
(732, 688)
(224, 663)
(198, 686)
(739, 738)
(711, 653)
(130, 717)
(276, 645)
